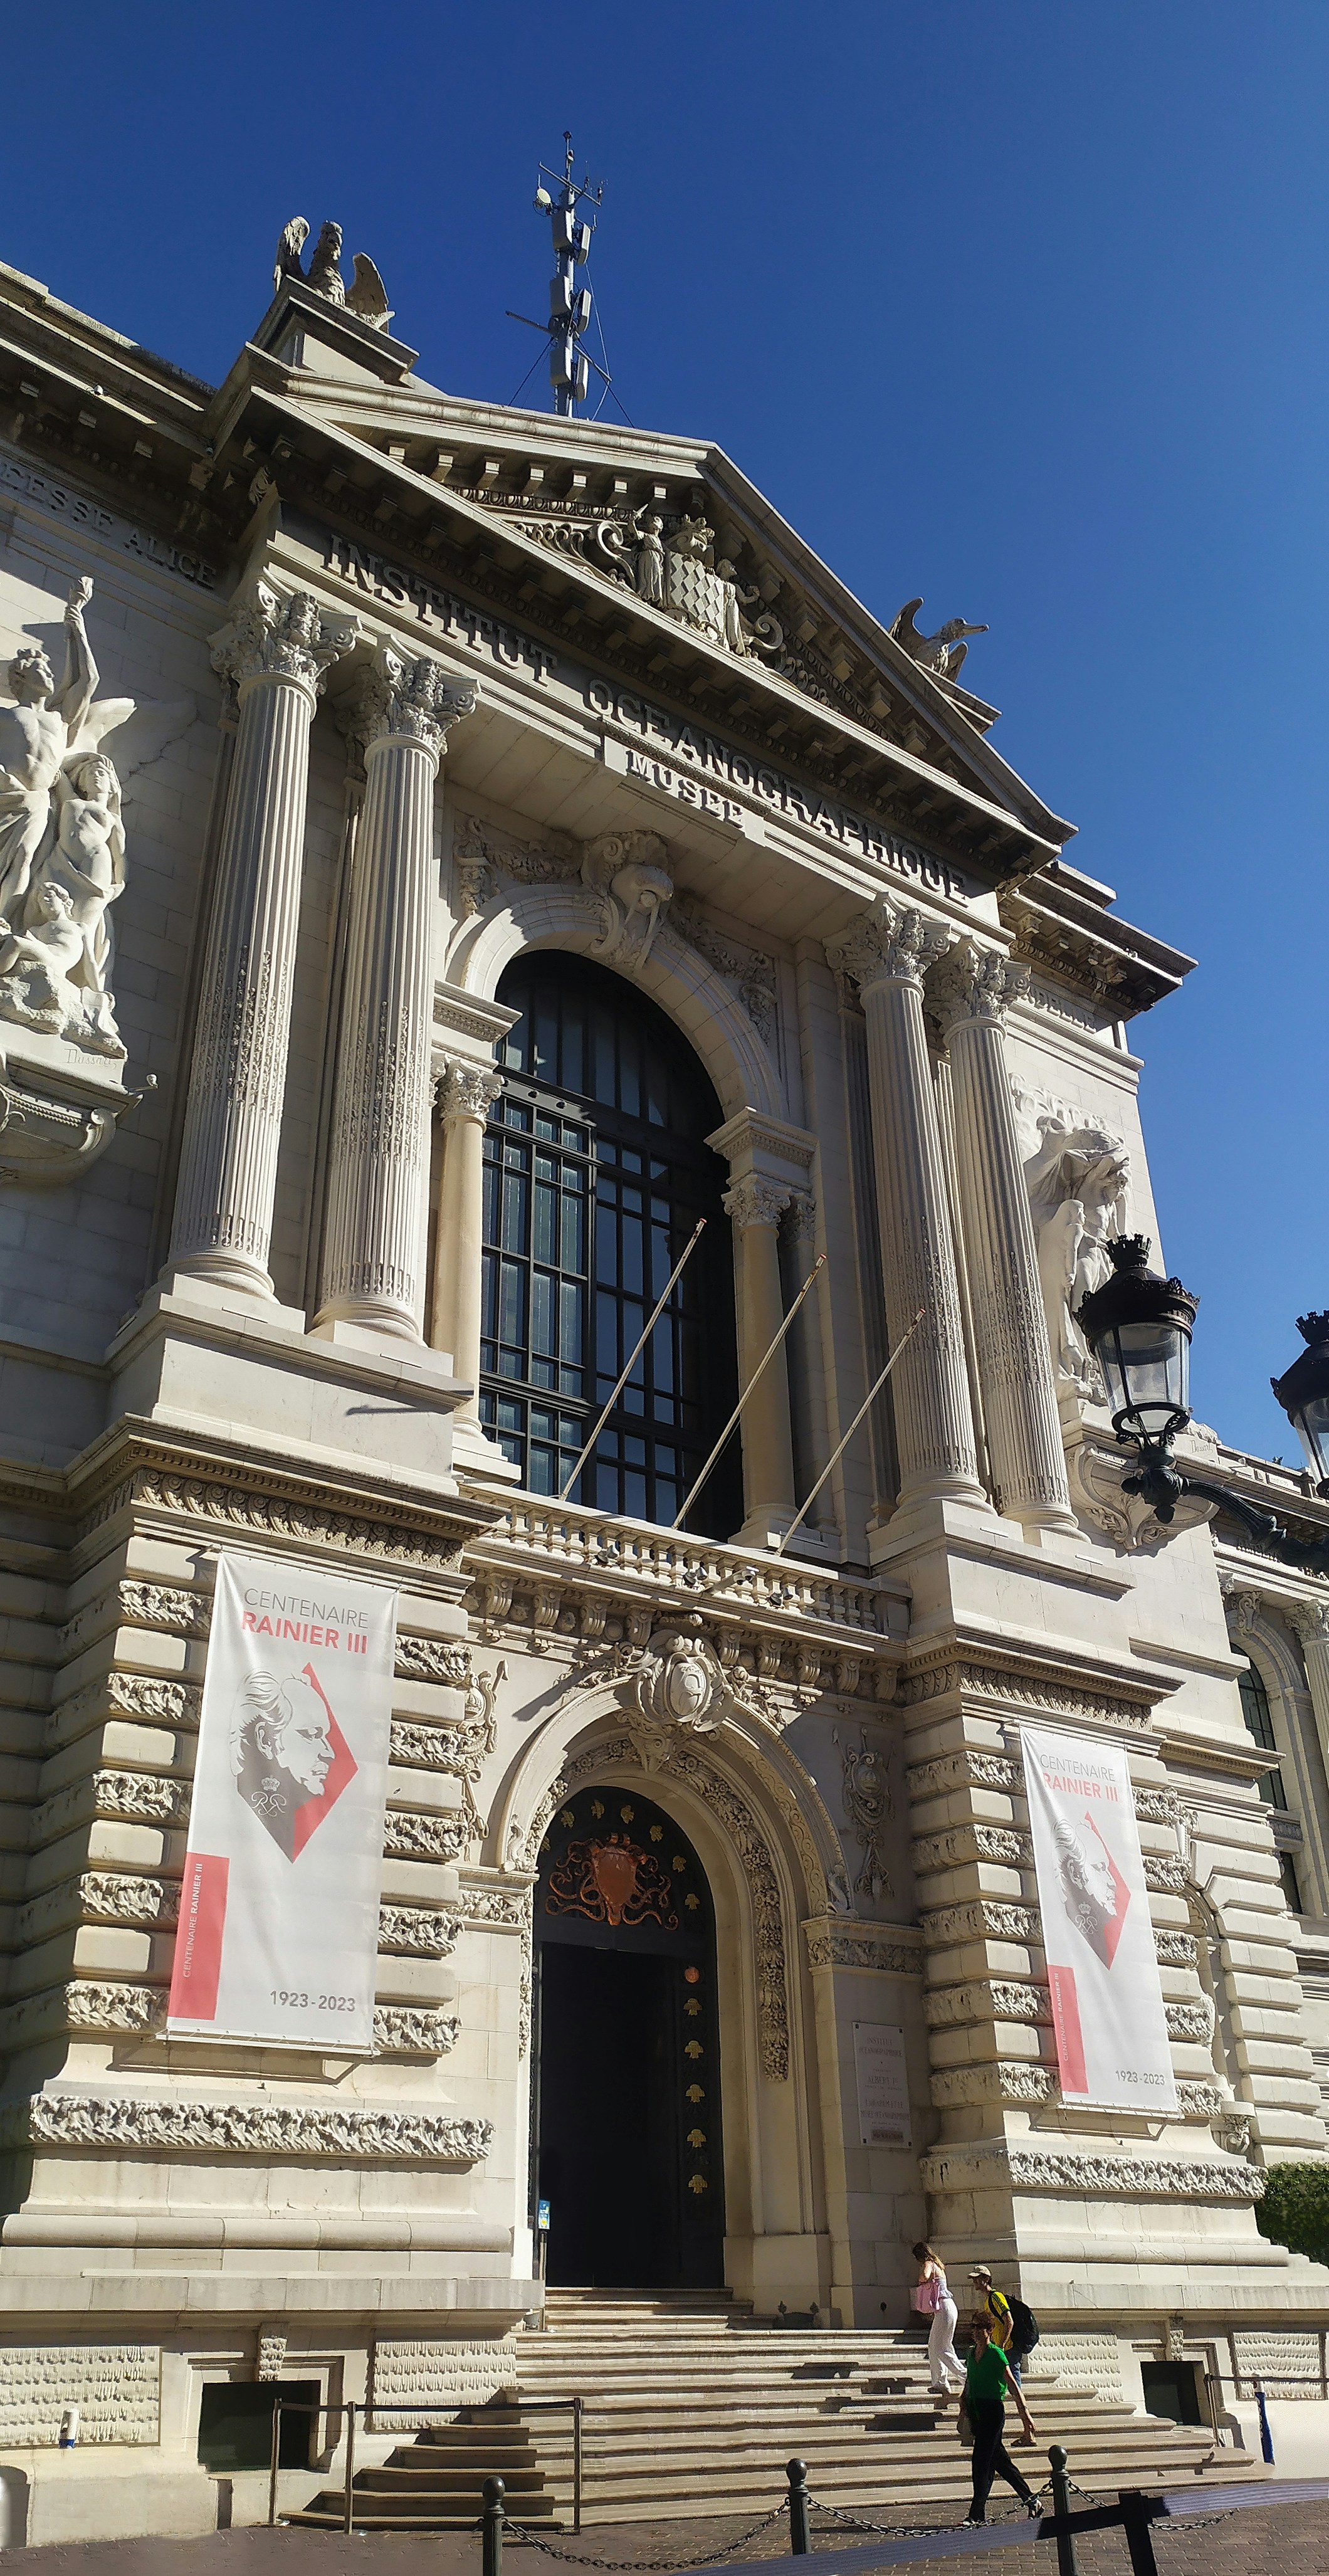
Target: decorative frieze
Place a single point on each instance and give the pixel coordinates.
(411, 1835)
(437, 2377)
(1165, 1876)
(978, 2165)
(1176, 1949)
(967, 1769)
(115, 2386)
(985, 1918)
(83, 2004)
(417, 1931)
(166, 1605)
(434, 1659)
(961, 1845)
(1190, 2020)
(99, 1896)
(409, 2030)
(986, 1999)
(883, 1951)
(170, 2125)
(137, 1797)
(135, 1695)
(1002, 2080)
(286, 1516)
(1288, 2365)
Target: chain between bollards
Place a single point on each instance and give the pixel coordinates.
(491, 2526)
(800, 2540)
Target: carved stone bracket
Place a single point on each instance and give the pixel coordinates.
(1095, 1468)
(51, 1136)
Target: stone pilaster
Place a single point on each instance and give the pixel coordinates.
(1310, 1619)
(970, 991)
(275, 653)
(466, 1095)
(755, 1206)
(887, 954)
(378, 1164)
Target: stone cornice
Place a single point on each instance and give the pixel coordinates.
(1019, 1683)
(133, 1471)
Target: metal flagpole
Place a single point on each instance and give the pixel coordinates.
(688, 1248)
(836, 1454)
(763, 1363)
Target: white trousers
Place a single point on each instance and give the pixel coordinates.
(945, 2367)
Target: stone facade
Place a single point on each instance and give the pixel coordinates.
(386, 690)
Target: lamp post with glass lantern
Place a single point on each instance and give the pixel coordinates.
(1303, 1392)
(1139, 1327)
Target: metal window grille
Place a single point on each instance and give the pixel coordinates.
(596, 1171)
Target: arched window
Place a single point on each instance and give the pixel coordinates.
(1259, 1722)
(596, 1171)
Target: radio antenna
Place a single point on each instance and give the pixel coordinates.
(569, 305)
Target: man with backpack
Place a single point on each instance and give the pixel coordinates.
(1014, 2326)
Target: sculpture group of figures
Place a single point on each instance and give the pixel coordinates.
(62, 838)
(1077, 1183)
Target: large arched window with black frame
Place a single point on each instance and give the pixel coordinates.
(596, 1171)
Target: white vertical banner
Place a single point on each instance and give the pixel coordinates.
(278, 1928)
(1107, 2001)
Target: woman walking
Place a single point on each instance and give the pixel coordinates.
(932, 2298)
(988, 2383)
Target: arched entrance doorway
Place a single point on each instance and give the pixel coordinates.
(626, 2109)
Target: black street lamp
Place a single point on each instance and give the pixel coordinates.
(1303, 1392)
(1139, 1327)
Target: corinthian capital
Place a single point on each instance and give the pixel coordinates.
(974, 983)
(892, 944)
(411, 698)
(469, 1090)
(281, 635)
(1309, 1620)
(757, 1200)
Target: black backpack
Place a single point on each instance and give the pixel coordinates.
(1024, 2329)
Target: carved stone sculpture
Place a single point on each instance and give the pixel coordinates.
(62, 840)
(366, 297)
(943, 652)
(627, 870)
(869, 1810)
(1077, 1183)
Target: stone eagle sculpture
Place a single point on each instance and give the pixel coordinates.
(943, 652)
(366, 297)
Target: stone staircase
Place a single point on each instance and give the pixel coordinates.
(693, 2405)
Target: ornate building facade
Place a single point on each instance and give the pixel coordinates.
(446, 854)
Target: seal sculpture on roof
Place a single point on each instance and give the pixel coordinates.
(366, 297)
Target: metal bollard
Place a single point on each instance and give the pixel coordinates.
(799, 2541)
(1061, 2505)
(491, 2523)
(1266, 2437)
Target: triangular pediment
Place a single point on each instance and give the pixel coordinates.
(656, 556)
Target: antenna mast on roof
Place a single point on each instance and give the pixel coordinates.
(569, 306)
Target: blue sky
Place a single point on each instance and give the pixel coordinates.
(1017, 305)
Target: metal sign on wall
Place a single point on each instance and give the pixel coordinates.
(278, 1928)
(1107, 2000)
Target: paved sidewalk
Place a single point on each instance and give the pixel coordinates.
(1283, 2539)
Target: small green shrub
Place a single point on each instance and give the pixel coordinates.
(1295, 2209)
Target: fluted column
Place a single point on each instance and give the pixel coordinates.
(275, 653)
(755, 1206)
(378, 1161)
(887, 953)
(467, 1095)
(970, 991)
(1310, 1619)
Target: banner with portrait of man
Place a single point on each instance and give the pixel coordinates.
(278, 1931)
(1107, 1999)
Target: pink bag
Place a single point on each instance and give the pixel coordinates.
(925, 2297)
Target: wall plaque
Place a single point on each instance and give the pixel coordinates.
(883, 2085)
